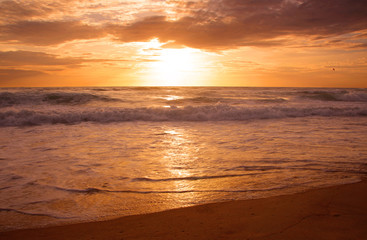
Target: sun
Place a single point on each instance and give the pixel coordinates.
(177, 67)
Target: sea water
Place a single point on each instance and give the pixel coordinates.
(86, 154)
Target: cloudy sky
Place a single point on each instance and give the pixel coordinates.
(287, 43)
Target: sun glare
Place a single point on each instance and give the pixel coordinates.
(177, 67)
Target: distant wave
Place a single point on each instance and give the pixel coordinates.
(217, 112)
(8, 99)
(226, 100)
(55, 96)
(336, 95)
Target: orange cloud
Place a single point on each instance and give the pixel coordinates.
(29, 58)
(21, 58)
(49, 33)
(13, 74)
(26, 64)
(15, 10)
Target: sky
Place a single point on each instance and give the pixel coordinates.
(263, 43)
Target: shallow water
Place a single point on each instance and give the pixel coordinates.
(70, 155)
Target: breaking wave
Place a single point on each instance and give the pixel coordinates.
(227, 100)
(336, 95)
(8, 99)
(218, 112)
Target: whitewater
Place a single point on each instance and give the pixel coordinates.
(93, 153)
(22, 107)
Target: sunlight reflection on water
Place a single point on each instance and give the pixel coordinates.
(91, 171)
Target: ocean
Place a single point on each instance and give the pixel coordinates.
(86, 154)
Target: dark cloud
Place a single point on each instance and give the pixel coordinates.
(359, 45)
(231, 23)
(212, 24)
(49, 33)
(185, 31)
(328, 17)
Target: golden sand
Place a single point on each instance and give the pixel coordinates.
(338, 212)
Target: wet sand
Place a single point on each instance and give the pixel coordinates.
(338, 212)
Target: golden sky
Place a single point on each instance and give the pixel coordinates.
(280, 43)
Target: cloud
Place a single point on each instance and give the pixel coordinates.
(12, 74)
(232, 23)
(360, 46)
(27, 64)
(29, 58)
(185, 31)
(15, 10)
(207, 24)
(49, 33)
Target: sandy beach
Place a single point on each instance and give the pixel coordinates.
(338, 212)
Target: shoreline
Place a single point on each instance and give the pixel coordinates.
(337, 212)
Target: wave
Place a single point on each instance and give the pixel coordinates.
(192, 178)
(226, 100)
(96, 190)
(185, 96)
(8, 99)
(336, 95)
(306, 167)
(33, 214)
(218, 112)
(87, 190)
(75, 98)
